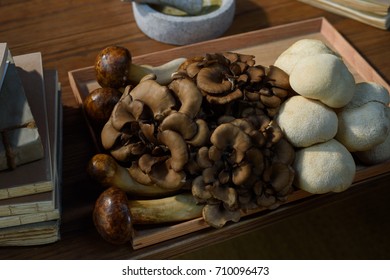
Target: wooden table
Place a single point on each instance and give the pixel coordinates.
(70, 33)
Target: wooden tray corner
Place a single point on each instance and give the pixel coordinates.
(266, 45)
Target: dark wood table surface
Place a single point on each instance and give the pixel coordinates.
(70, 33)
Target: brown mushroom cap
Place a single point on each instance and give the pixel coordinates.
(202, 135)
(99, 104)
(181, 123)
(216, 215)
(112, 66)
(112, 217)
(177, 146)
(165, 177)
(157, 97)
(188, 94)
(212, 79)
(227, 136)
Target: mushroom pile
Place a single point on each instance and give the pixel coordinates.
(332, 120)
(231, 135)
(209, 131)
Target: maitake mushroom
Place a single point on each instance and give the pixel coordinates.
(148, 129)
(210, 130)
(246, 165)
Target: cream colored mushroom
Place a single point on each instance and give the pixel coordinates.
(297, 51)
(306, 122)
(364, 122)
(323, 77)
(325, 167)
(377, 154)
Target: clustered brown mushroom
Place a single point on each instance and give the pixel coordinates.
(210, 131)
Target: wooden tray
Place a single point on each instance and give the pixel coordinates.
(266, 45)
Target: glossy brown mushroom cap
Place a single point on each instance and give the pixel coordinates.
(112, 66)
(99, 104)
(112, 217)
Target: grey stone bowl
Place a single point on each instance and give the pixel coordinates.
(178, 30)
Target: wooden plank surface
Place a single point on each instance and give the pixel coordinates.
(70, 33)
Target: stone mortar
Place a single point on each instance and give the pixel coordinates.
(183, 30)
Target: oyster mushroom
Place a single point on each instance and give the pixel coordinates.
(114, 68)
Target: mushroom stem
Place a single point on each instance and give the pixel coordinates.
(105, 170)
(114, 215)
(162, 72)
(175, 208)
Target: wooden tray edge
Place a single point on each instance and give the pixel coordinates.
(321, 25)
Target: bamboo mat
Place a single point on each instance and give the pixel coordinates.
(349, 229)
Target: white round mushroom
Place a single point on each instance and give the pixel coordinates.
(364, 122)
(377, 154)
(325, 167)
(369, 92)
(323, 77)
(306, 122)
(297, 51)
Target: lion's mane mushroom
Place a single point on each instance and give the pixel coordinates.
(364, 122)
(299, 50)
(114, 215)
(114, 68)
(332, 83)
(306, 122)
(324, 167)
(378, 154)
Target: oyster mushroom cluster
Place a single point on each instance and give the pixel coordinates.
(210, 131)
